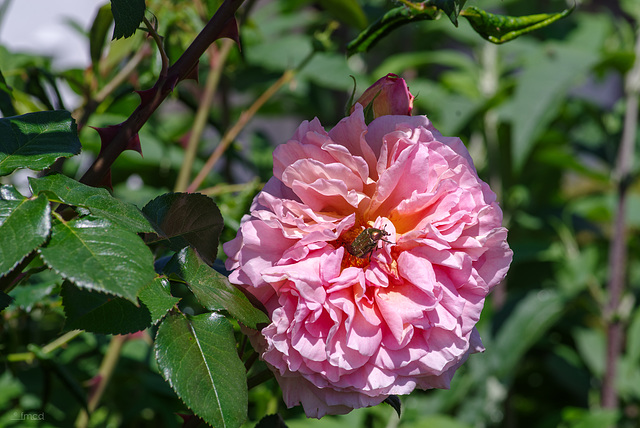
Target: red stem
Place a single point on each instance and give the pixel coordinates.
(618, 248)
(152, 99)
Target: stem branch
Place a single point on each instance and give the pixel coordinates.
(618, 246)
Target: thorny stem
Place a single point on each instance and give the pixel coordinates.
(182, 68)
(217, 62)
(82, 114)
(618, 246)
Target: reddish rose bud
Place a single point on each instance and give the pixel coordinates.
(388, 96)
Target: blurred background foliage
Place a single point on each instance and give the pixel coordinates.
(542, 116)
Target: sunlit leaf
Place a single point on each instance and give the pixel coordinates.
(97, 255)
(127, 14)
(36, 140)
(198, 357)
(98, 201)
(214, 291)
(500, 28)
(24, 225)
(157, 298)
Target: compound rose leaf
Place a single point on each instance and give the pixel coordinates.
(24, 225)
(186, 219)
(197, 355)
(97, 255)
(127, 14)
(36, 140)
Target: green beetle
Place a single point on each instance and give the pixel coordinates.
(366, 242)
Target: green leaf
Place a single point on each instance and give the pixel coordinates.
(99, 202)
(394, 401)
(156, 296)
(186, 219)
(24, 225)
(100, 256)
(347, 11)
(440, 421)
(127, 14)
(451, 8)
(98, 34)
(589, 418)
(6, 101)
(546, 77)
(5, 300)
(388, 22)
(500, 29)
(38, 291)
(528, 322)
(36, 140)
(198, 357)
(101, 313)
(271, 421)
(215, 292)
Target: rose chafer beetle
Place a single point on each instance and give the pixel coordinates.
(366, 242)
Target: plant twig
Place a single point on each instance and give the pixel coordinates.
(105, 372)
(217, 64)
(233, 132)
(158, 39)
(152, 98)
(618, 246)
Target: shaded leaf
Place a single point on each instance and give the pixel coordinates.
(186, 219)
(157, 298)
(394, 401)
(36, 140)
(24, 225)
(215, 292)
(197, 356)
(5, 300)
(271, 421)
(6, 101)
(451, 8)
(547, 77)
(439, 421)
(127, 14)
(100, 256)
(348, 11)
(500, 28)
(98, 201)
(388, 22)
(38, 291)
(101, 313)
(531, 319)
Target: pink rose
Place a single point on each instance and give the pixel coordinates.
(348, 331)
(389, 95)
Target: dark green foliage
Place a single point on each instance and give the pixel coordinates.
(36, 140)
(127, 14)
